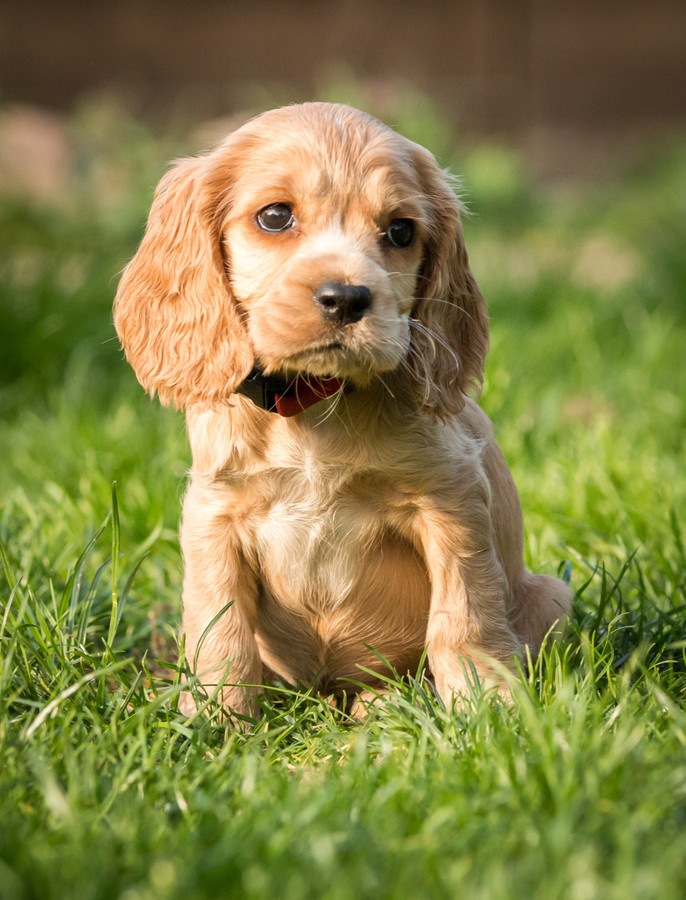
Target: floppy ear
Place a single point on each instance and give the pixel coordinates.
(450, 338)
(174, 311)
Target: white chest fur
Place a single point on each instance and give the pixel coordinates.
(312, 538)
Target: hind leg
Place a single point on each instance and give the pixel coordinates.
(541, 605)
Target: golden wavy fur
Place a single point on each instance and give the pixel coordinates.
(383, 519)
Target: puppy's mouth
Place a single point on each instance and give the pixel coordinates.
(355, 362)
(318, 359)
(318, 349)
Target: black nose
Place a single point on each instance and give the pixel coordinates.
(343, 303)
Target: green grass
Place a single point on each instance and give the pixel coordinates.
(576, 790)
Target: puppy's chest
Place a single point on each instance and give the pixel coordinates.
(315, 532)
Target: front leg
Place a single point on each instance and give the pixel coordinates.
(220, 646)
(468, 619)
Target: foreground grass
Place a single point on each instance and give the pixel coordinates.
(578, 789)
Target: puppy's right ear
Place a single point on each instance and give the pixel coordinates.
(174, 311)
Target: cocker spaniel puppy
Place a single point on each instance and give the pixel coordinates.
(303, 291)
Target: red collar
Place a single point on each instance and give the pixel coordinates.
(287, 398)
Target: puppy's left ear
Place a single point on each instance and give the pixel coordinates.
(450, 338)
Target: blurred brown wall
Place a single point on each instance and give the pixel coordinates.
(516, 68)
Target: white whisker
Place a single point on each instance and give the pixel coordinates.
(380, 379)
(434, 339)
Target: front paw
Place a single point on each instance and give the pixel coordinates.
(237, 703)
(363, 703)
(463, 679)
(188, 705)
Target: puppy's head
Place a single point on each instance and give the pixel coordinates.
(315, 240)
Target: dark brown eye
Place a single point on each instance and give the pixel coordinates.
(400, 233)
(277, 217)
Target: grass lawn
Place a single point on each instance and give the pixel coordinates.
(578, 789)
